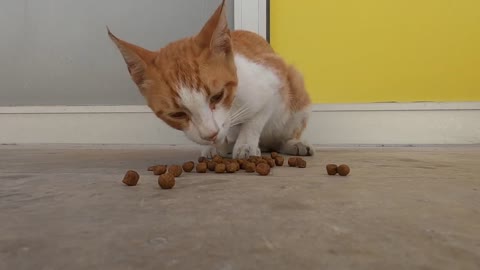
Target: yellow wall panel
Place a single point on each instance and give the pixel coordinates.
(353, 51)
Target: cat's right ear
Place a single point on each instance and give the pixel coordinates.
(135, 57)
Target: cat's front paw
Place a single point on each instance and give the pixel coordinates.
(297, 148)
(244, 151)
(209, 151)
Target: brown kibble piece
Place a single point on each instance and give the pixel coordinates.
(220, 168)
(202, 159)
(292, 162)
(176, 170)
(188, 166)
(343, 170)
(201, 167)
(159, 169)
(217, 159)
(274, 155)
(131, 178)
(166, 181)
(258, 161)
(301, 163)
(263, 169)
(250, 167)
(242, 163)
(211, 165)
(279, 160)
(331, 169)
(271, 162)
(231, 167)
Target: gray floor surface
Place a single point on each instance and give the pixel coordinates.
(64, 207)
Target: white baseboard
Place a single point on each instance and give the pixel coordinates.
(422, 123)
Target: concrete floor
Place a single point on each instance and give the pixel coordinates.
(401, 208)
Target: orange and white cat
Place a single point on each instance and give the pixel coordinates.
(227, 90)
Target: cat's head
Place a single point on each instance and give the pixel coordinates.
(190, 84)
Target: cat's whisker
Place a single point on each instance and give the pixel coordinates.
(238, 115)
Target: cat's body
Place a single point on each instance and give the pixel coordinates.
(226, 90)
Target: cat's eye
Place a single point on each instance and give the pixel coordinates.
(178, 115)
(217, 98)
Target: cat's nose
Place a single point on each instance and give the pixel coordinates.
(212, 137)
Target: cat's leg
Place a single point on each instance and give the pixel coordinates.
(209, 151)
(293, 144)
(247, 143)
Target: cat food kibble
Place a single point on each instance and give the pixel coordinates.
(202, 159)
(166, 181)
(301, 163)
(131, 178)
(201, 167)
(271, 162)
(159, 169)
(263, 169)
(279, 160)
(274, 155)
(211, 165)
(217, 159)
(242, 163)
(250, 167)
(343, 170)
(188, 166)
(292, 162)
(258, 161)
(220, 168)
(231, 167)
(175, 170)
(331, 169)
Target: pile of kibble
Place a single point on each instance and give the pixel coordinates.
(259, 164)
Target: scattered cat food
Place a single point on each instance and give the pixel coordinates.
(279, 160)
(250, 167)
(131, 178)
(201, 167)
(263, 169)
(260, 160)
(166, 180)
(211, 165)
(292, 162)
(202, 159)
(242, 163)
(217, 159)
(188, 166)
(271, 162)
(220, 168)
(175, 170)
(343, 170)
(274, 155)
(301, 163)
(159, 169)
(231, 167)
(331, 169)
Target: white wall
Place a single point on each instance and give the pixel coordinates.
(56, 52)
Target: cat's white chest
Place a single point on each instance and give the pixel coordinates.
(257, 85)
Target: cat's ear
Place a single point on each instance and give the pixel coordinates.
(215, 34)
(135, 57)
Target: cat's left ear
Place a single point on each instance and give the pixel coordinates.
(215, 34)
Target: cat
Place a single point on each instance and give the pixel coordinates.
(227, 90)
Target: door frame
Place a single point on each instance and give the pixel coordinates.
(253, 15)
